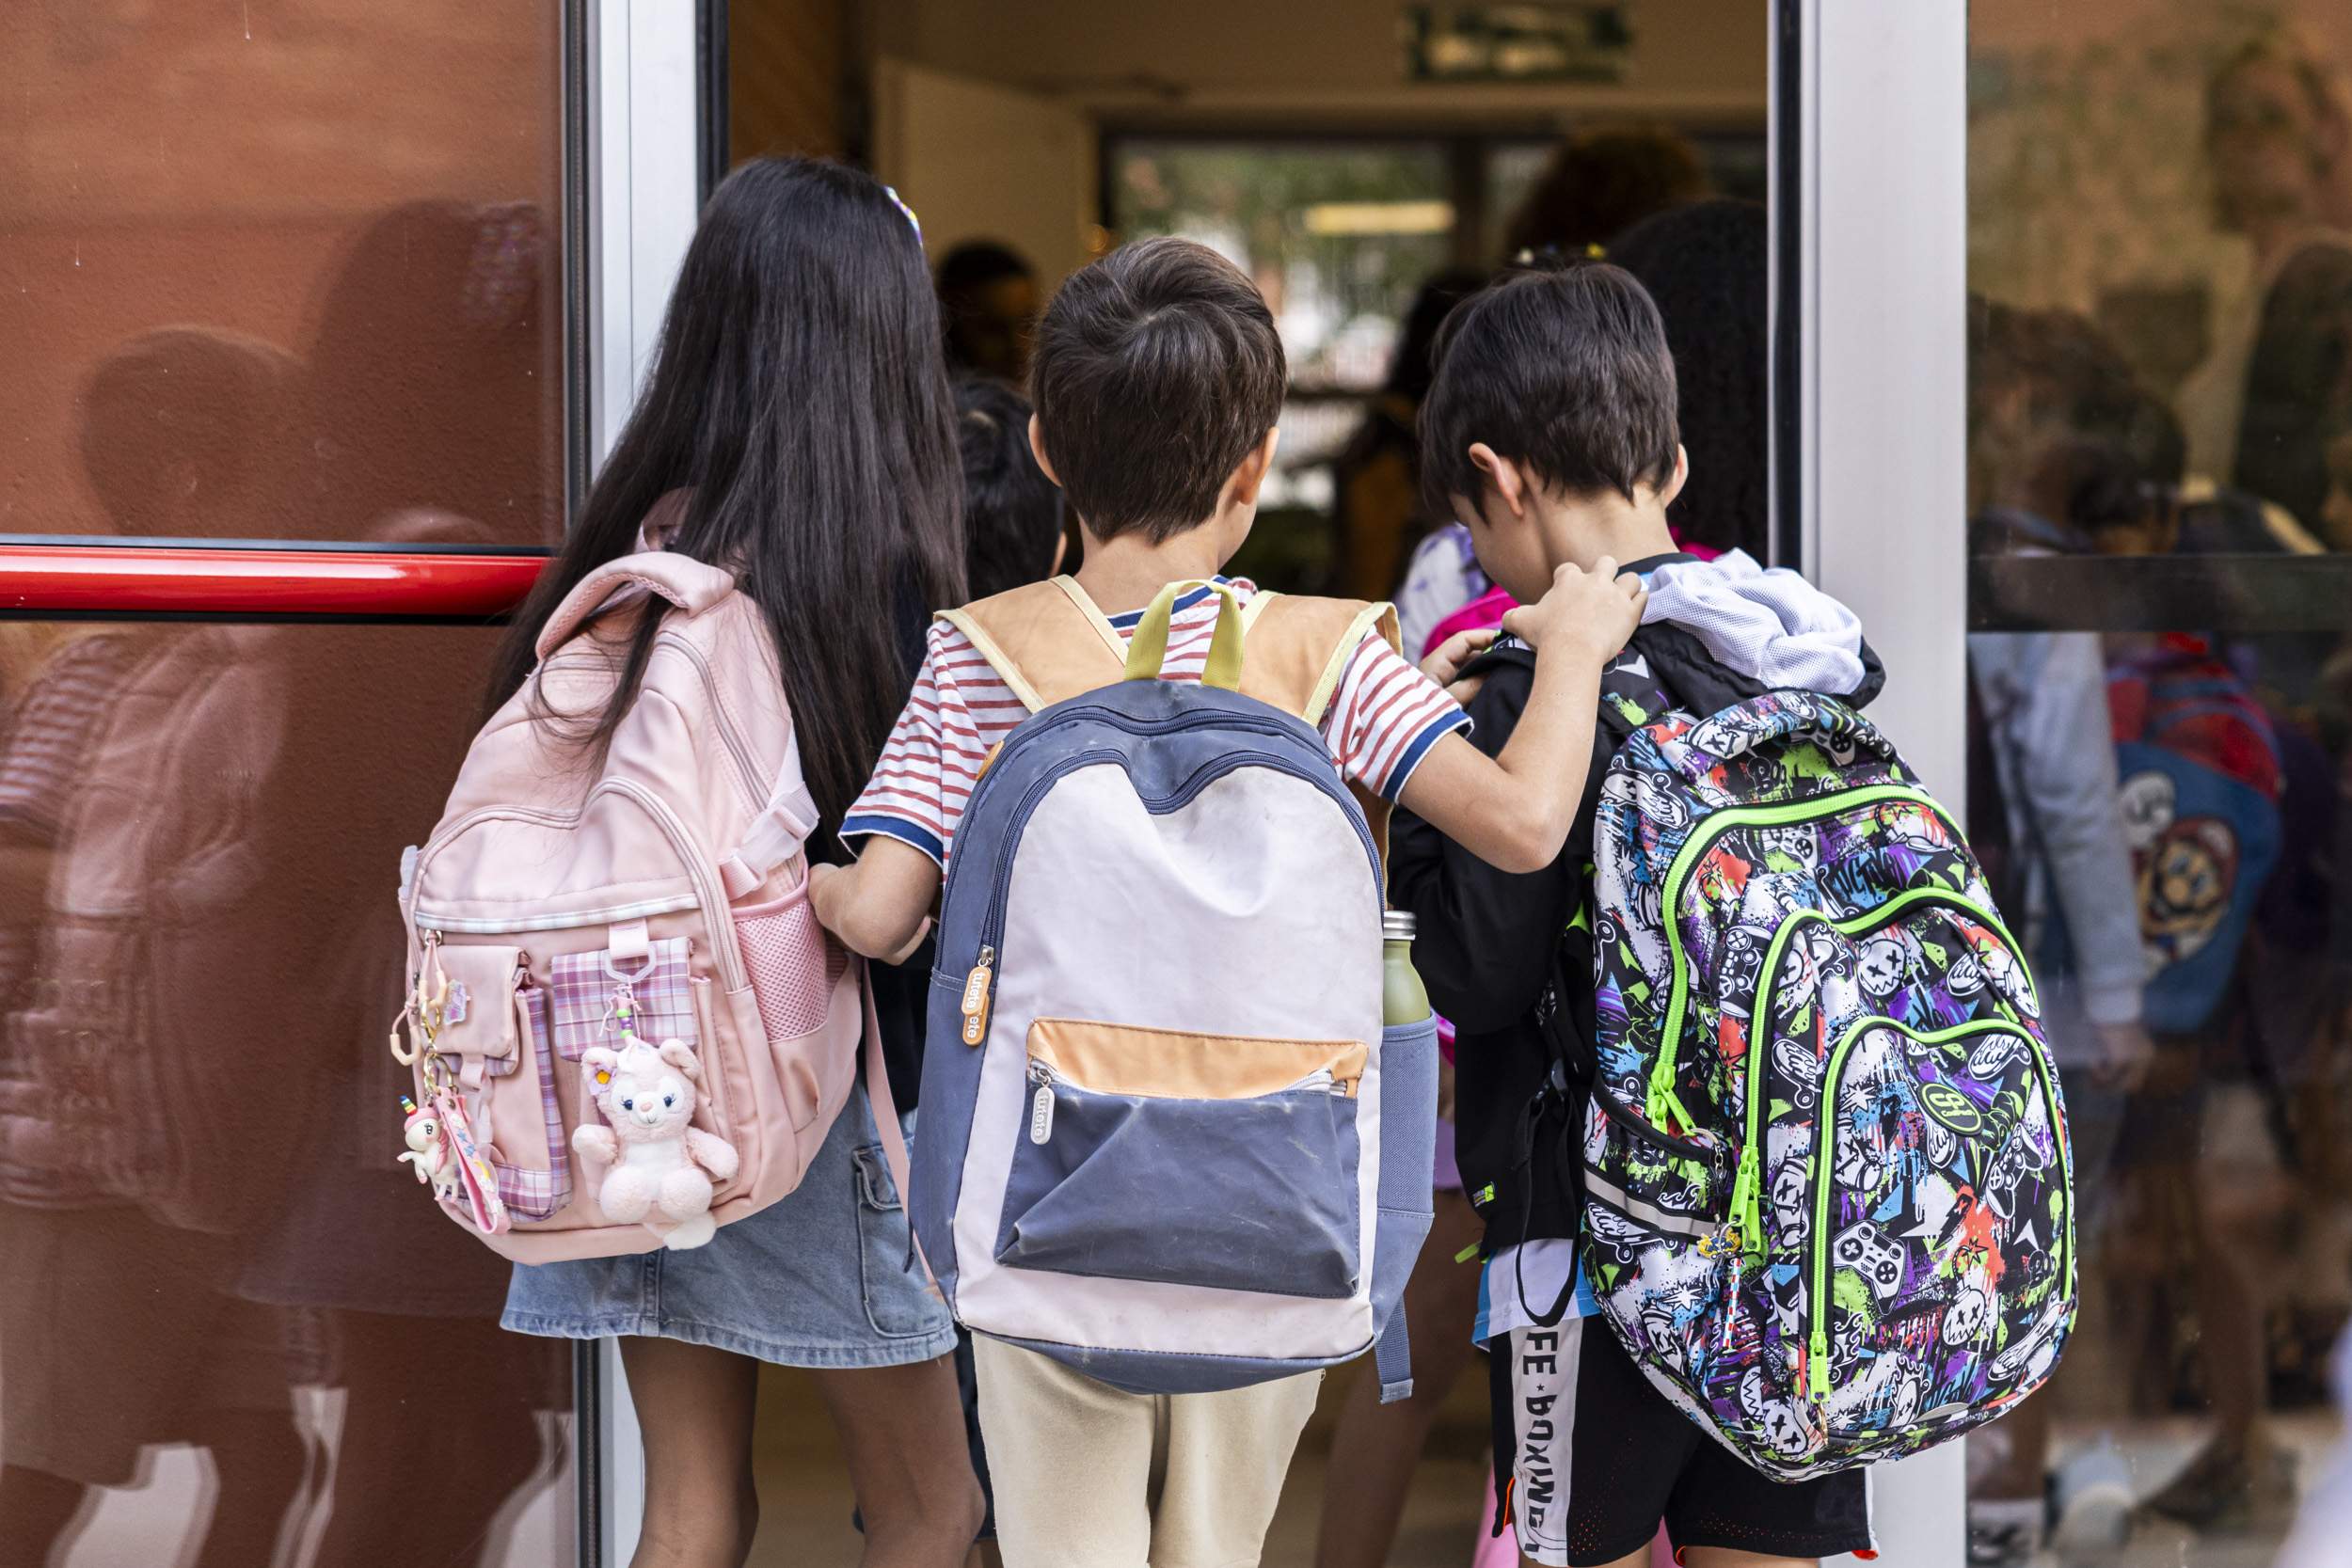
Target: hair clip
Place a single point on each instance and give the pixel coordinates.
(913, 222)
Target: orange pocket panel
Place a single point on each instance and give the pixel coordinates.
(1175, 1064)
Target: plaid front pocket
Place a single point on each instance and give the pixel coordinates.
(536, 1194)
(586, 986)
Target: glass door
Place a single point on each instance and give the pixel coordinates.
(2159, 501)
(317, 313)
(2071, 422)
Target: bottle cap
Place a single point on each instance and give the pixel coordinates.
(1397, 925)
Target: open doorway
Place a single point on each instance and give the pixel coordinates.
(1349, 155)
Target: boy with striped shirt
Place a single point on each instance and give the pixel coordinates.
(1158, 377)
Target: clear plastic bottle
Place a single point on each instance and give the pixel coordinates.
(1403, 1000)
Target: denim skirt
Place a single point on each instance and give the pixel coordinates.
(824, 1278)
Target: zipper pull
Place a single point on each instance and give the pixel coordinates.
(1817, 1366)
(1747, 1208)
(1041, 1105)
(976, 986)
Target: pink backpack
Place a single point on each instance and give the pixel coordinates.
(574, 920)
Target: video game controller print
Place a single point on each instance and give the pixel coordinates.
(1877, 1258)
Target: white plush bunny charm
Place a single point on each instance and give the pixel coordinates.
(659, 1169)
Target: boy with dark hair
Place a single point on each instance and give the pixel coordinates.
(1158, 379)
(1551, 432)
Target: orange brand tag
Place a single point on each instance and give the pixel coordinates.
(975, 1005)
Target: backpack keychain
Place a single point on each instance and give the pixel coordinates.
(439, 1135)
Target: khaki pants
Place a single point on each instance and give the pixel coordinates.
(1086, 1477)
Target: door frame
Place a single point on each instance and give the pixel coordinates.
(656, 125)
(1870, 361)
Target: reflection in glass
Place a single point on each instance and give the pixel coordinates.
(2160, 383)
(285, 276)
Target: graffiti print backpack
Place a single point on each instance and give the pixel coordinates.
(1828, 1203)
(2199, 779)
(1165, 1137)
(572, 905)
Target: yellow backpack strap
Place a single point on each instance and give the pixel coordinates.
(1045, 640)
(1298, 650)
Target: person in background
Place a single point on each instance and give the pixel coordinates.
(139, 1149)
(1442, 581)
(1601, 182)
(988, 305)
(1012, 514)
(2335, 513)
(2046, 820)
(1376, 477)
(1704, 264)
(2278, 138)
(420, 427)
(2298, 384)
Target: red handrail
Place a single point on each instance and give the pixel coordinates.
(50, 578)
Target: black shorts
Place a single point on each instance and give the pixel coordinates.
(1589, 1459)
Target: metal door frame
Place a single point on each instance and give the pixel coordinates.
(1869, 138)
(655, 124)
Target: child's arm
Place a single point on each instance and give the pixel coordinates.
(881, 905)
(1514, 811)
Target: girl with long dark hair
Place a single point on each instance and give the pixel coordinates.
(797, 430)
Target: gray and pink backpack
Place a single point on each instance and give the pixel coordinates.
(1169, 1138)
(1827, 1194)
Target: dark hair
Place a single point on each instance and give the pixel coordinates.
(430, 374)
(1412, 366)
(188, 413)
(964, 274)
(2299, 382)
(1012, 510)
(1603, 181)
(799, 400)
(1565, 369)
(1157, 371)
(1704, 266)
(976, 263)
(2112, 447)
(2280, 48)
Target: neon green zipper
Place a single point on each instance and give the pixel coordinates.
(1661, 1079)
(1747, 1202)
(1817, 1290)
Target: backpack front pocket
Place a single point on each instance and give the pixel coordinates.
(1148, 1154)
(600, 994)
(533, 1164)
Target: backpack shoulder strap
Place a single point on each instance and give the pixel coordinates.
(1298, 648)
(1294, 657)
(1046, 640)
(692, 585)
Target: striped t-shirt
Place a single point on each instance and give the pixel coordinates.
(1381, 722)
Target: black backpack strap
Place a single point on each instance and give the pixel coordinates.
(1632, 694)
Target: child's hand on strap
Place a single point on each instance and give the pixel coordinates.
(1589, 615)
(1445, 661)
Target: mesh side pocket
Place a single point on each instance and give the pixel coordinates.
(794, 965)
